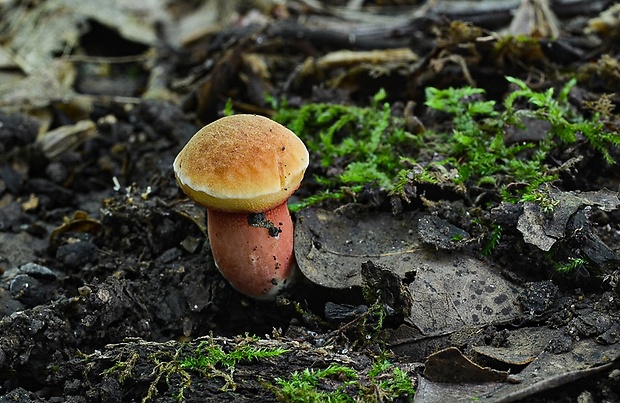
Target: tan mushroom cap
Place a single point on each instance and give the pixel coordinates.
(241, 163)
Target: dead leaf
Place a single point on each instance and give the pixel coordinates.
(550, 370)
(453, 290)
(57, 142)
(330, 248)
(388, 286)
(440, 233)
(521, 347)
(80, 222)
(544, 230)
(536, 19)
(37, 34)
(52, 82)
(450, 365)
(450, 290)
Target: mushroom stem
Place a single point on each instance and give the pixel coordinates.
(254, 251)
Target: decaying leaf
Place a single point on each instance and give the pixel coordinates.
(193, 213)
(440, 233)
(436, 392)
(203, 19)
(80, 222)
(374, 63)
(52, 82)
(36, 39)
(450, 365)
(388, 286)
(535, 18)
(37, 34)
(57, 142)
(520, 347)
(549, 370)
(450, 290)
(545, 229)
(330, 248)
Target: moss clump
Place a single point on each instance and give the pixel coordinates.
(357, 147)
(339, 384)
(363, 144)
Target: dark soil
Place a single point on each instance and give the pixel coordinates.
(105, 264)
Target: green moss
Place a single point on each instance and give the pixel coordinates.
(210, 359)
(390, 384)
(364, 143)
(303, 386)
(339, 383)
(123, 369)
(208, 355)
(207, 359)
(476, 146)
(355, 147)
(542, 197)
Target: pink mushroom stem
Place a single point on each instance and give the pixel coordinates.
(254, 251)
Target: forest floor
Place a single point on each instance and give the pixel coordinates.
(457, 230)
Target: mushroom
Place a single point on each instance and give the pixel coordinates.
(243, 169)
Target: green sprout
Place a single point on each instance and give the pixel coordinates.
(573, 264)
(494, 239)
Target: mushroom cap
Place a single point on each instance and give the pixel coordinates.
(241, 163)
